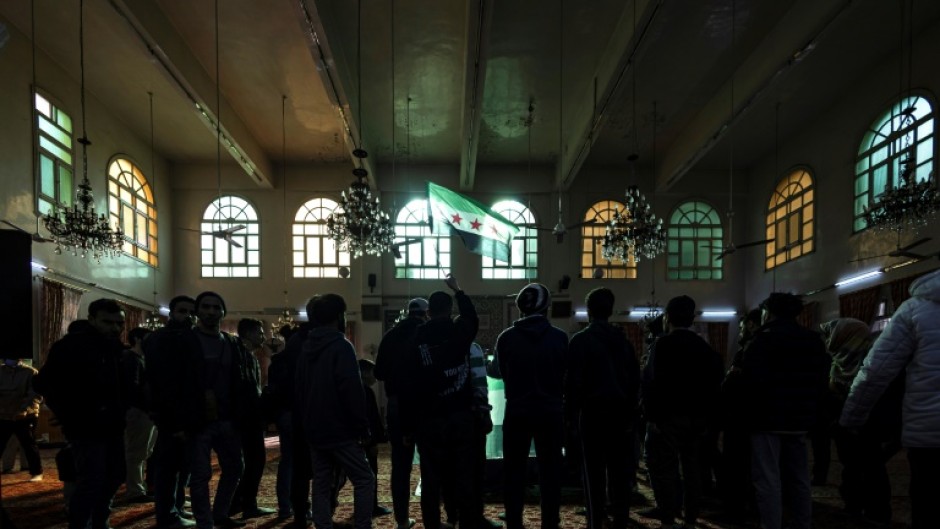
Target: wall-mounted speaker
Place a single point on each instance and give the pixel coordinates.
(373, 280)
(372, 313)
(16, 294)
(561, 309)
(564, 283)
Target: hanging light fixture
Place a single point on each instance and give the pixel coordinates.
(912, 204)
(80, 229)
(286, 317)
(359, 225)
(153, 319)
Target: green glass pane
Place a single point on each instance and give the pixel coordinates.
(860, 204)
(688, 253)
(686, 232)
(686, 274)
(673, 261)
(861, 184)
(923, 171)
(54, 149)
(673, 245)
(716, 274)
(704, 274)
(50, 129)
(63, 120)
(880, 180)
(43, 105)
(672, 274)
(65, 185)
(860, 224)
(45, 207)
(47, 176)
(924, 151)
(879, 156)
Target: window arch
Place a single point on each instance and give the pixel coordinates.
(695, 238)
(592, 234)
(131, 206)
(239, 254)
(523, 257)
(54, 164)
(905, 130)
(315, 253)
(429, 257)
(790, 217)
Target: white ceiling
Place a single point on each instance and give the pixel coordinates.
(466, 73)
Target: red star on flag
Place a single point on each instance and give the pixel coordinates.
(456, 219)
(475, 225)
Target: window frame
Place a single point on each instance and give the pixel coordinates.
(710, 243)
(410, 223)
(779, 253)
(304, 229)
(252, 230)
(44, 203)
(592, 235)
(526, 239)
(143, 250)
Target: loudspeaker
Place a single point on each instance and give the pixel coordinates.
(16, 294)
(372, 282)
(561, 309)
(372, 313)
(564, 282)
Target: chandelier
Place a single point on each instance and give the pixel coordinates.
(80, 229)
(153, 322)
(636, 231)
(359, 225)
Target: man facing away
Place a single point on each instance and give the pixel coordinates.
(784, 378)
(332, 400)
(391, 367)
(19, 411)
(531, 356)
(601, 398)
(682, 381)
(138, 435)
(81, 381)
(910, 344)
(171, 472)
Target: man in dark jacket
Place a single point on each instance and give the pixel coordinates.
(81, 381)
(531, 356)
(601, 397)
(329, 389)
(438, 407)
(785, 377)
(682, 381)
(391, 367)
(138, 434)
(171, 472)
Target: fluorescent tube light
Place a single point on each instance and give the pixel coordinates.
(860, 277)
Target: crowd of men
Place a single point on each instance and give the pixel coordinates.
(189, 389)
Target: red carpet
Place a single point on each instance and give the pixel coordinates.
(39, 505)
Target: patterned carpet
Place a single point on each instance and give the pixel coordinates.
(39, 505)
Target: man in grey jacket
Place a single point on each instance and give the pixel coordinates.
(910, 342)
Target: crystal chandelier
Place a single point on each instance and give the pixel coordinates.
(80, 229)
(636, 231)
(153, 322)
(359, 225)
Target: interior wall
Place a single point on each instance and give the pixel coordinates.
(133, 279)
(828, 146)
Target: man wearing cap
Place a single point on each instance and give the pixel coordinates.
(681, 386)
(391, 367)
(531, 356)
(207, 391)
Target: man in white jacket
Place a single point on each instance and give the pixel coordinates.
(910, 342)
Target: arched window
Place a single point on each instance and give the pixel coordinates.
(131, 206)
(428, 257)
(905, 131)
(695, 238)
(235, 253)
(54, 163)
(790, 218)
(523, 258)
(591, 237)
(315, 253)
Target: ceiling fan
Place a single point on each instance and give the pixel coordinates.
(396, 248)
(35, 236)
(730, 248)
(225, 235)
(900, 251)
(560, 228)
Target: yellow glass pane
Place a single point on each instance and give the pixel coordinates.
(768, 263)
(805, 179)
(808, 196)
(807, 231)
(807, 247)
(153, 245)
(808, 213)
(113, 206)
(125, 196)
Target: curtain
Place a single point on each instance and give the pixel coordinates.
(635, 336)
(718, 338)
(58, 307)
(900, 288)
(860, 305)
(809, 318)
(351, 335)
(133, 317)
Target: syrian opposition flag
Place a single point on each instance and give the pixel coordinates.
(483, 231)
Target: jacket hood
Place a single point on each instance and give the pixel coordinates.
(321, 339)
(532, 326)
(927, 287)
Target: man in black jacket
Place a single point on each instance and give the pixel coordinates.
(138, 433)
(438, 407)
(82, 383)
(391, 367)
(682, 381)
(171, 472)
(602, 392)
(531, 356)
(329, 390)
(784, 378)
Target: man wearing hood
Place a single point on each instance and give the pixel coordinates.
(531, 356)
(909, 344)
(332, 401)
(601, 397)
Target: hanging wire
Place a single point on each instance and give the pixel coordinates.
(81, 67)
(218, 121)
(32, 34)
(776, 176)
(287, 247)
(153, 188)
(394, 123)
(731, 133)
